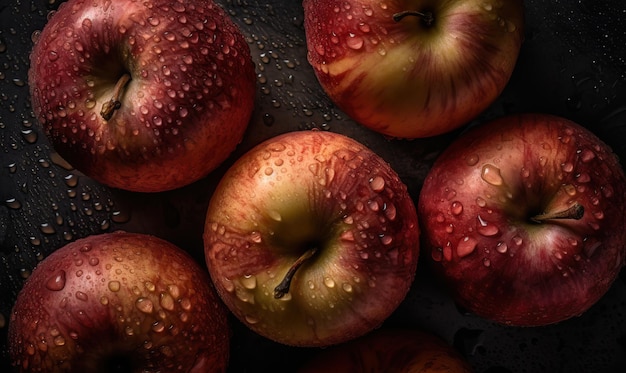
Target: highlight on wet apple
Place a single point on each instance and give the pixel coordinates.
(311, 239)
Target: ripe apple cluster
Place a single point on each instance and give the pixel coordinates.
(310, 238)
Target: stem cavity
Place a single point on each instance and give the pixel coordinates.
(427, 17)
(283, 288)
(575, 211)
(109, 107)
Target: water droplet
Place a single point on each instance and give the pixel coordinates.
(472, 160)
(354, 42)
(502, 247)
(249, 282)
(56, 282)
(158, 327)
(456, 208)
(491, 174)
(167, 302)
(81, 296)
(378, 184)
(329, 282)
(114, 286)
(144, 305)
(466, 246)
(485, 228)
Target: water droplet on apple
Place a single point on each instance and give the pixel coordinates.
(491, 174)
(59, 340)
(251, 319)
(456, 208)
(518, 241)
(347, 287)
(354, 42)
(329, 282)
(472, 160)
(485, 228)
(144, 305)
(56, 282)
(167, 301)
(502, 247)
(587, 155)
(486, 262)
(114, 286)
(378, 184)
(249, 282)
(466, 246)
(81, 296)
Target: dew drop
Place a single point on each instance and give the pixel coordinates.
(114, 286)
(378, 184)
(329, 282)
(81, 296)
(56, 282)
(456, 208)
(354, 42)
(466, 246)
(167, 302)
(249, 282)
(144, 305)
(491, 174)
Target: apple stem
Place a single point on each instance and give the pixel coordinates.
(109, 107)
(575, 211)
(427, 17)
(283, 288)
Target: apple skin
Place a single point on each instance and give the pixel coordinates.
(406, 79)
(303, 190)
(119, 300)
(183, 112)
(390, 350)
(478, 203)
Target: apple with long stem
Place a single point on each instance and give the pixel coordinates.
(413, 68)
(311, 239)
(119, 302)
(142, 95)
(390, 350)
(524, 218)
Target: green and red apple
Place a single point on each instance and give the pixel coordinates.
(524, 218)
(311, 239)
(119, 302)
(413, 68)
(144, 95)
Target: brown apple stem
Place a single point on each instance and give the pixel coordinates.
(575, 211)
(427, 17)
(109, 107)
(283, 288)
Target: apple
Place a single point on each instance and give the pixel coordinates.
(311, 239)
(524, 219)
(413, 68)
(119, 302)
(390, 350)
(142, 95)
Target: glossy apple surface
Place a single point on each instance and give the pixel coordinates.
(311, 239)
(119, 302)
(413, 75)
(524, 217)
(390, 351)
(142, 95)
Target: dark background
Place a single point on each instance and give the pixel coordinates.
(572, 64)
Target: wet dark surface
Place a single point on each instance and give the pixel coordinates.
(573, 64)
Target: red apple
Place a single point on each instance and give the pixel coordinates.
(390, 351)
(311, 239)
(142, 95)
(119, 302)
(524, 217)
(413, 68)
